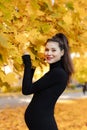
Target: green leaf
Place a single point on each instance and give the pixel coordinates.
(45, 27)
(69, 5)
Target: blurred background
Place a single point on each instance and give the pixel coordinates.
(28, 24)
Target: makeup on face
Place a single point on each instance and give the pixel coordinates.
(53, 53)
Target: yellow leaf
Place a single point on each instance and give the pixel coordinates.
(68, 18)
(21, 38)
(10, 78)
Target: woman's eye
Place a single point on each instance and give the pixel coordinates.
(53, 50)
(46, 50)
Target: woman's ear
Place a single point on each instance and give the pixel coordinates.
(62, 52)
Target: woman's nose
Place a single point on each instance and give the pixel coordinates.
(49, 53)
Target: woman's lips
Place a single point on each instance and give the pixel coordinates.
(49, 58)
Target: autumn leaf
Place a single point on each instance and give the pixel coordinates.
(28, 24)
(66, 119)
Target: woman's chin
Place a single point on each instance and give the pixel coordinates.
(50, 62)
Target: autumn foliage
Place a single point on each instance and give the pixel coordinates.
(70, 115)
(28, 24)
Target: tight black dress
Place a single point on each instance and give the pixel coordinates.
(39, 114)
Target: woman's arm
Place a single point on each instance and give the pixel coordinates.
(28, 73)
(48, 80)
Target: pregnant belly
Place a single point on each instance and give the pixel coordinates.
(39, 118)
(35, 112)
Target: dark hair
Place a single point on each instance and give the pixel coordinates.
(66, 59)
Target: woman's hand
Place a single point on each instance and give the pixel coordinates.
(25, 50)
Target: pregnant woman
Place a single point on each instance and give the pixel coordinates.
(39, 115)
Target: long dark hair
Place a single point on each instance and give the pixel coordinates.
(62, 40)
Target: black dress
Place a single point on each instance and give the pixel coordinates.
(39, 115)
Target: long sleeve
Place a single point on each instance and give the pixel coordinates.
(28, 73)
(51, 78)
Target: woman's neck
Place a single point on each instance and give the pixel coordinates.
(56, 64)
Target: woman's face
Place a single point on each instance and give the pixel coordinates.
(53, 53)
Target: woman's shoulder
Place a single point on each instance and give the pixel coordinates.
(60, 72)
